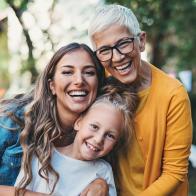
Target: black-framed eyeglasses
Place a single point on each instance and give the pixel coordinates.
(123, 46)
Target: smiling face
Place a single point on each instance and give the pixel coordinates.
(74, 83)
(123, 67)
(97, 132)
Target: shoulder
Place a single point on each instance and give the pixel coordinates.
(159, 76)
(103, 163)
(164, 85)
(104, 168)
(9, 131)
(7, 118)
(105, 172)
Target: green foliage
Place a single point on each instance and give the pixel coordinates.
(19, 6)
(170, 28)
(29, 65)
(193, 109)
(4, 56)
(3, 5)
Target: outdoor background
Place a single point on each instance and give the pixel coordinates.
(31, 30)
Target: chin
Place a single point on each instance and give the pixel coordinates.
(79, 109)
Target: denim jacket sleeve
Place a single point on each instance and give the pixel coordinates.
(10, 149)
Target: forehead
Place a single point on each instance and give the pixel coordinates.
(106, 115)
(102, 110)
(75, 58)
(110, 35)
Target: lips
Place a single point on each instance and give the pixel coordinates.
(92, 147)
(78, 96)
(124, 69)
(78, 93)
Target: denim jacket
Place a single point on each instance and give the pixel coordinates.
(10, 149)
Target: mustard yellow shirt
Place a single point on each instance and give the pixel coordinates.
(163, 128)
(132, 169)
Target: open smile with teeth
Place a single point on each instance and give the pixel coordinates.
(93, 148)
(123, 67)
(78, 93)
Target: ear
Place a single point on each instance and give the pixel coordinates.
(52, 86)
(142, 42)
(77, 124)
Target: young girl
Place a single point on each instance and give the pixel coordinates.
(107, 123)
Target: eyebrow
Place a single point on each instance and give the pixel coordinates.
(112, 131)
(108, 46)
(109, 130)
(86, 66)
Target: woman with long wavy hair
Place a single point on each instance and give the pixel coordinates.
(67, 86)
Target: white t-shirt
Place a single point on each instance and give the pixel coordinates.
(74, 175)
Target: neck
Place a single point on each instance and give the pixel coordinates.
(66, 150)
(71, 151)
(144, 78)
(66, 120)
(65, 139)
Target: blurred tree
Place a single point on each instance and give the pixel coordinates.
(19, 7)
(4, 56)
(46, 25)
(169, 27)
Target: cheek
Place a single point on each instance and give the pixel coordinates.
(84, 131)
(93, 83)
(110, 146)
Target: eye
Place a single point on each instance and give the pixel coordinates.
(67, 72)
(94, 127)
(124, 44)
(110, 136)
(90, 72)
(104, 51)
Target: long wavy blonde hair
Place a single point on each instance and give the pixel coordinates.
(42, 125)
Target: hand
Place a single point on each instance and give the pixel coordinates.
(11, 191)
(98, 187)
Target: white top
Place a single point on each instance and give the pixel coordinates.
(74, 175)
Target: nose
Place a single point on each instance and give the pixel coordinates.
(116, 55)
(99, 138)
(78, 78)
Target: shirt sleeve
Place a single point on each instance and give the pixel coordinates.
(8, 137)
(107, 174)
(176, 151)
(9, 131)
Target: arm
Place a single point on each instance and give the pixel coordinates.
(98, 187)
(176, 151)
(10, 151)
(7, 190)
(104, 185)
(10, 191)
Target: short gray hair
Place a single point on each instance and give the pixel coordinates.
(108, 15)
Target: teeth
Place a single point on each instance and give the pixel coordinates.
(92, 147)
(78, 93)
(122, 67)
